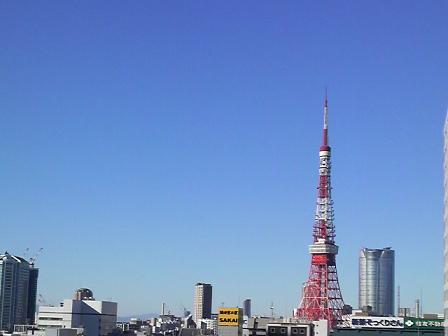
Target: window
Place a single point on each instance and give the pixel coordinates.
(50, 318)
(283, 330)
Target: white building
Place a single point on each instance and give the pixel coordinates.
(97, 318)
(210, 324)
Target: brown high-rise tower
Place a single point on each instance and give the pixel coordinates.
(202, 301)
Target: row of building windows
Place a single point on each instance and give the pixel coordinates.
(301, 331)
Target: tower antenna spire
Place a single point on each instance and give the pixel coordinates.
(325, 130)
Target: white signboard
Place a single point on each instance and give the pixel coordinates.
(376, 322)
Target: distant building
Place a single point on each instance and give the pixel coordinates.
(268, 326)
(167, 325)
(404, 311)
(84, 294)
(376, 280)
(98, 318)
(202, 301)
(209, 324)
(288, 329)
(257, 326)
(18, 288)
(247, 307)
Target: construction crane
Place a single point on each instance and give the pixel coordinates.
(33, 259)
(41, 300)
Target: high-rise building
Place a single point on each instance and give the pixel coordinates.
(321, 294)
(376, 280)
(247, 307)
(445, 287)
(202, 301)
(417, 309)
(32, 294)
(18, 288)
(404, 311)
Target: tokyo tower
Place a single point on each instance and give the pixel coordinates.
(321, 295)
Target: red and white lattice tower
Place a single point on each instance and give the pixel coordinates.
(321, 296)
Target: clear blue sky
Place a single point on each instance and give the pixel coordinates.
(149, 145)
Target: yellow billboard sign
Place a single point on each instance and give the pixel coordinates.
(229, 316)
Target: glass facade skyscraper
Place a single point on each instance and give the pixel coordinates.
(247, 305)
(377, 280)
(18, 287)
(32, 295)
